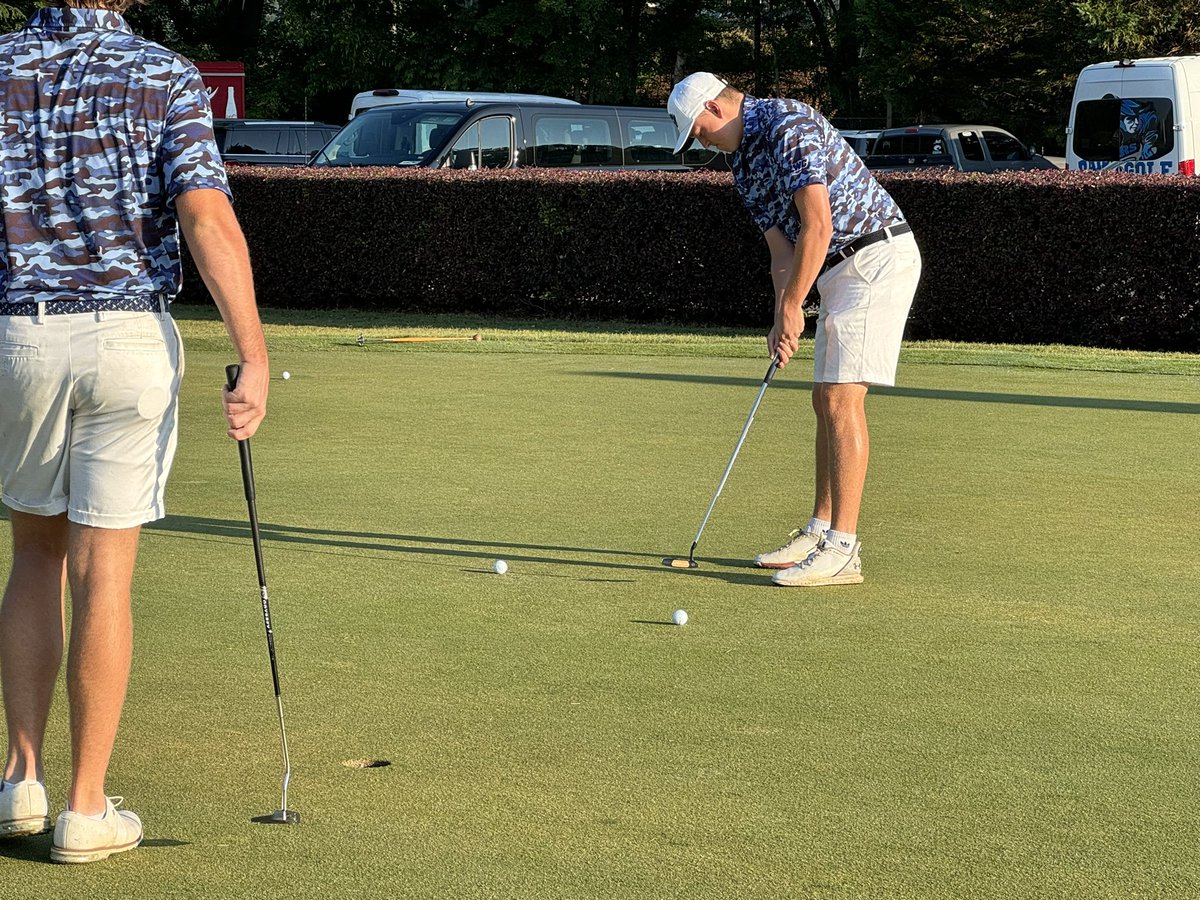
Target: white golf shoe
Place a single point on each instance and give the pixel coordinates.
(826, 565)
(800, 544)
(82, 839)
(24, 808)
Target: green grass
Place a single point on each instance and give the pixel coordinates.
(1005, 709)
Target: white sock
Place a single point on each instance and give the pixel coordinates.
(841, 540)
(817, 526)
(99, 817)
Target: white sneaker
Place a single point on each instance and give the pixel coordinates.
(82, 839)
(827, 565)
(24, 808)
(800, 544)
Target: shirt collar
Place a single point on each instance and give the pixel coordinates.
(62, 18)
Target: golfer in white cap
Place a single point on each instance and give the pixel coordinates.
(826, 221)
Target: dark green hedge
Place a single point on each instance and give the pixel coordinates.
(1029, 257)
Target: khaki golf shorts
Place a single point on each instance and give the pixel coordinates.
(88, 415)
(864, 305)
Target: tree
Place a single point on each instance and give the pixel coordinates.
(1135, 28)
(1002, 62)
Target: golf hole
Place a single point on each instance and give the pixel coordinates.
(366, 763)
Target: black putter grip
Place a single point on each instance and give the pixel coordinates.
(774, 367)
(232, 371)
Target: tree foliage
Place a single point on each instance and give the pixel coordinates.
(864, 62)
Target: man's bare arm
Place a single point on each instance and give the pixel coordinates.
(219, 249)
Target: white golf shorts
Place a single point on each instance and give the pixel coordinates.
(864, 304)
(88, 415)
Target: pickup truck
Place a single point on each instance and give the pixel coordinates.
(967, 148)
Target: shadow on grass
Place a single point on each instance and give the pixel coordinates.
(315, 539)
(36, 848)
(1157, 406)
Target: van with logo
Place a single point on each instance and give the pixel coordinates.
(1136, 115)
(471, 135)
(397, 96)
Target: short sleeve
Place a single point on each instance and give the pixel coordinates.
(189, 149)
(799, 156)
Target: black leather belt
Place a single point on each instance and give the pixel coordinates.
(863, 242)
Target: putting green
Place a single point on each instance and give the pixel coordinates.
(1005, 708)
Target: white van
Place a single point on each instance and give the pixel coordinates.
(1137, 115)
(397, 97)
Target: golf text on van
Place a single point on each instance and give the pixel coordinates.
(1136, 115)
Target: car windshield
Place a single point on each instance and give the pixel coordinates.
(393, 136)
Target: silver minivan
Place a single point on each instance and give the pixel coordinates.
(506, 135)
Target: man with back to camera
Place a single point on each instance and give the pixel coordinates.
(107, 150)
(826, 221)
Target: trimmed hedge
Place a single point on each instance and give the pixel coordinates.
(1039, 257)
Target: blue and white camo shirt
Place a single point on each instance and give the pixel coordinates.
(100, 132)
(787, 145)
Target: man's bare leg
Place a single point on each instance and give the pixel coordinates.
(843, 410)
(31, 637)
(100, 570)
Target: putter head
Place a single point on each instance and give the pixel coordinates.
(362, 340)
(678, 562)
(279, 817)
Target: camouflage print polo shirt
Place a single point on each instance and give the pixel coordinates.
(100, 132)
(787, 145)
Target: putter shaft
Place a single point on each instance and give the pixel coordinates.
(737, 449)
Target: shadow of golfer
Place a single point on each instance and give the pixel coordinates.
(346, 542)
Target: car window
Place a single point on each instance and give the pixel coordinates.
(574, 140)
(487, 144)
(906, 144)
(307, 141)
(650, 142)
(391, 136)
(1112, 129)
(1004, 147)
(972, 147)
(255, 140)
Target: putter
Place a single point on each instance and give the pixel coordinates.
(363, 340)
(678, 562)
(283, 815)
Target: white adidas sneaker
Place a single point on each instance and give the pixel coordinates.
(827, 565)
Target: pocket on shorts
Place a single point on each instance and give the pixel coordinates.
(15, 355)
(17, 350)
(135, 343)
(136, 368)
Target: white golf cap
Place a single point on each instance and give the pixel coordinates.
(687, 102)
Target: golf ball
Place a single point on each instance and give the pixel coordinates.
(679, 617)
(499, 567)
(287, 375)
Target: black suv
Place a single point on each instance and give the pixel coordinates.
(265, 142)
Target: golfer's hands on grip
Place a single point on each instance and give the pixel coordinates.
(246, 404)
(784, 339)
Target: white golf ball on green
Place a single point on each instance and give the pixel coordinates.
(499, 567)
(287, 375)
(679, 617)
